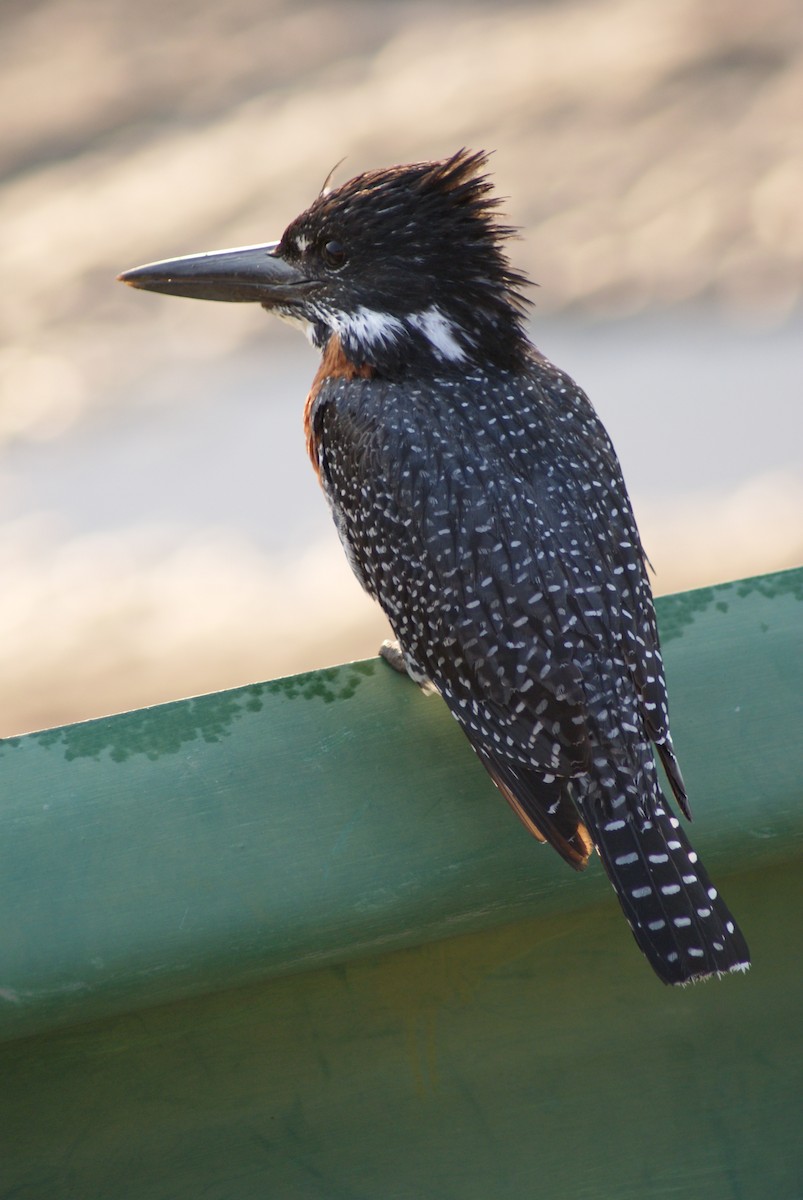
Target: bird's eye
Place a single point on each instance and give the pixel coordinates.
(334, 253)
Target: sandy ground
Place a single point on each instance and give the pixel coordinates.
(160, 532)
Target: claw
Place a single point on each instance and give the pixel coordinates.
(394, 656)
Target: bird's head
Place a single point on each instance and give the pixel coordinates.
(404, 266)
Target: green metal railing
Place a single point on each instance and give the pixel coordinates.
(287, 940)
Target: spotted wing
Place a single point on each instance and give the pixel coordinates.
(500, 548)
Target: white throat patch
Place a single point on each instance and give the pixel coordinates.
(298, 322)
(367, 327)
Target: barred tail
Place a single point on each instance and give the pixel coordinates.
(678, 918)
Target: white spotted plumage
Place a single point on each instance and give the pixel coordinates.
(491, 546)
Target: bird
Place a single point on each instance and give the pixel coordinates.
(480, 501)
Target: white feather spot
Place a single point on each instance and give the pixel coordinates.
(439, 332)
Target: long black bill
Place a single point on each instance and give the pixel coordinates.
(246, 273)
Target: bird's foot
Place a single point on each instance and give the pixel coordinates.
(392, 654)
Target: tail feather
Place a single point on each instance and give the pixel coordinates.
(680, 922)
(677, 916)
(671, 766)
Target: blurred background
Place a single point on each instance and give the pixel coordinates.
(161, 532)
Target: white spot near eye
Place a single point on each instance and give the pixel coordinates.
(302, 243)
(439, 332)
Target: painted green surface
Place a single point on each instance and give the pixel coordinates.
(241, 909)
(538, 1059)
